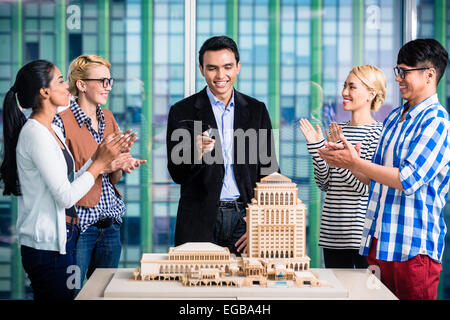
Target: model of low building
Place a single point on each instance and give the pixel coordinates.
(276, 250)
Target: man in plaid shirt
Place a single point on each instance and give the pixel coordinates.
(404, 228)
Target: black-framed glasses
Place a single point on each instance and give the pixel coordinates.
(104, 81)
(402, 71)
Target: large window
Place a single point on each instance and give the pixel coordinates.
(211, 21)
(295, 55)
(253, 42)
(168, 87)
(6, 220)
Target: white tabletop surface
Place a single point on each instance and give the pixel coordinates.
(361, 285)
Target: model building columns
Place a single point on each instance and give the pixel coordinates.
(276, 220)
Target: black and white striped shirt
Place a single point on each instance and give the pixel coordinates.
(346, 198)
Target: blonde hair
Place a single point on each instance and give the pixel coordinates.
(79, 67)
(374, 79)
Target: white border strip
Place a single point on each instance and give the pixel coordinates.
(189, 47)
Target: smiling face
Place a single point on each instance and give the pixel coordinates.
(220, 70)
(356, 95)
(414, 87)
(95, 92)
(58, 89)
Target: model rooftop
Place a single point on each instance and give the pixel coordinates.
(199, 247)
(275, 178)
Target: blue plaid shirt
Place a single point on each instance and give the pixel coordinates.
(110, 204)
(412, 221)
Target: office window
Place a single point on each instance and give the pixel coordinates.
(211, 21)
(168, 79)
(253, 45)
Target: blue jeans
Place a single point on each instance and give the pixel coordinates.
(230, 226)
(49, 271)
(98, 248)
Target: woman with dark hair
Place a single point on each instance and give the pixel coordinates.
(39, 169)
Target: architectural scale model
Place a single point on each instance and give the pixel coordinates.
(276, 223)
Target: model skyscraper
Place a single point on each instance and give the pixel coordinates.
(276, 249)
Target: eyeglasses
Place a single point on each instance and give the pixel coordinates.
(402, 71)
(104, 81)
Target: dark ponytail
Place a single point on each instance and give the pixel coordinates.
(23, 94)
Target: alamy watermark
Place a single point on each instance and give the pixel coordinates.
(73, 21)
(252, 146)
(74, 278)
(374, 280)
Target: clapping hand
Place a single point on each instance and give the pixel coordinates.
(125, 162)
(312, 135)
(113, 145)
(342, 155)
(133, 164)
(130, 139)
(333, 132)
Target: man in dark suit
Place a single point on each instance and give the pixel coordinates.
(219, 144)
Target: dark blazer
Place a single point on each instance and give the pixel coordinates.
(201, 183)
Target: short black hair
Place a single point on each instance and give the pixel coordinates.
(218, 43)
(422, 51)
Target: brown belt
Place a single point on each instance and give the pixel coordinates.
(73, 220)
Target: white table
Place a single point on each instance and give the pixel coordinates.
(359, 283)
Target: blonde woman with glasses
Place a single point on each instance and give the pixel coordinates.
(345, 204)
(85, 124)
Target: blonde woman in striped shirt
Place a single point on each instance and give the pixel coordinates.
(346, 198)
